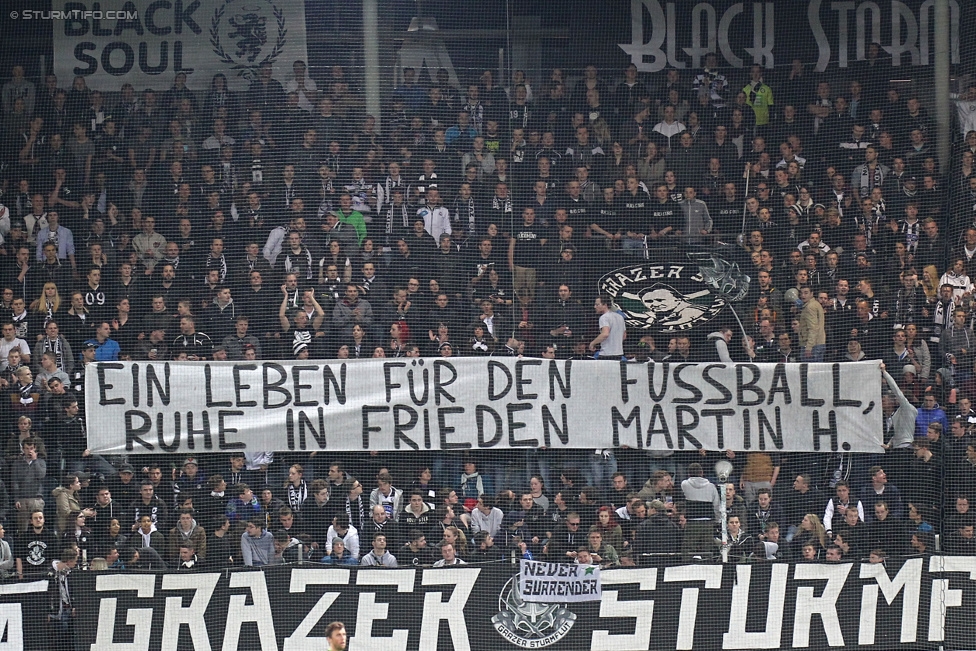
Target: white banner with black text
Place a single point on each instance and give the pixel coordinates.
(480, 403)
(542, 582)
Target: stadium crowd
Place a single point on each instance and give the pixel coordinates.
(282, 223)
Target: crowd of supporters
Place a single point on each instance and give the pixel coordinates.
(281, 222)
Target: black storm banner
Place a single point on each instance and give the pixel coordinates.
(922, 603)
(679, 35)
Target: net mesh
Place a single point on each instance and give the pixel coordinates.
(486, 179)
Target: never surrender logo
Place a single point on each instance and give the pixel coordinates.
(672, 297)
(530, 625)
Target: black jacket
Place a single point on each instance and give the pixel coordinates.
(657, 535)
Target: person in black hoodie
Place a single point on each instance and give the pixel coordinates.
(316, 514)
(804, 499)
(962, 541)
(106, 509)
(535, 521)
(887, 532)
(851, 535)
(565, 540)
(415, 551)
(212, 503)
(658, 534)
(765, 512)
(223, 550)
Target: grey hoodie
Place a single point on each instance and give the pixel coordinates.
(698, 493)
(257, 551)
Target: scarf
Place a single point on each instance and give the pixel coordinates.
(905, 305)
(25, 394)
(357, 511)
(297, 495)
(293, 299)
(943, 315)
(763, 517)
(462, 208)
(392, 216)
(879, 210)
(390, 185)
(219, 264)
(64, 608)
(503, 205)
(912, 235)
(55, 348)
(870, 179)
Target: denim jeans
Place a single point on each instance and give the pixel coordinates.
(600, 468)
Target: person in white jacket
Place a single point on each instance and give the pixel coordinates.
(966, 108)
(899, 428)
(387, 496)
(437, 218)
(485, 517)
(962, 285)
(343, 530)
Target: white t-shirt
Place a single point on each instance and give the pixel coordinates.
(614, 343)
(7, 346)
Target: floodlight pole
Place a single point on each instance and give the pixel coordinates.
(943, 110)
(371, 59)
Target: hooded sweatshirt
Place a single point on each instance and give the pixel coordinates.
(413, 521)
(67, 501)
(492, 523)
(926, 417)
(699, 495)
(196, 536)
(257, 551)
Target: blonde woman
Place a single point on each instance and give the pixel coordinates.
(811, 531)
(457, 538)
(48, 303)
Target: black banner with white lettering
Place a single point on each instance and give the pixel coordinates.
(24, 611)
(916, 604)
(658, 34)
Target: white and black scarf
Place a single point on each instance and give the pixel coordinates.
(393, 215)
(356, 512)
(466, 211)
(55, 348)
(220, 264)
(871, 178)
(501, 205)
(390, 185)
(297, 495)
